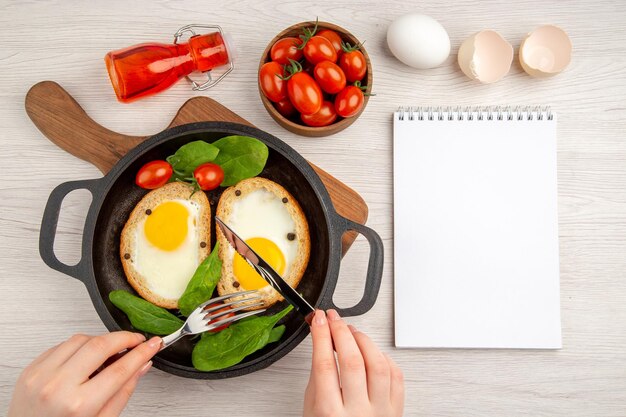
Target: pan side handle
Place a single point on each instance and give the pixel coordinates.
(374, 272)
(47, 233)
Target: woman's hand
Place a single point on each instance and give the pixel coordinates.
(366, 383)
(59, 382)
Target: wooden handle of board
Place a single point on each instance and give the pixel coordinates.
(61, 119)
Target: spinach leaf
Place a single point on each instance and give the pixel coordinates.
(231, 345)
(202, 284)
(240, 157)
(276, 334)
(189, 156)
(144, 315)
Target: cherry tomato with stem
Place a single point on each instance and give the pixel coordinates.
(304, 93)
(285, 49)
(349, 101)
(318, 49)
(225, 316)
(330, 77)
(324, 117)
(333, 37)
(154, 174)
(352, 62)
(209, 176)
(285, 107)
(273, 86)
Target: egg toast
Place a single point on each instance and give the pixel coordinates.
(272, 222)
(166, 237)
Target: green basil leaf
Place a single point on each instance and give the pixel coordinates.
(240, 157)
(202, 283)
(276, 334)
(189, 156)
(144, 315)
(231, 345)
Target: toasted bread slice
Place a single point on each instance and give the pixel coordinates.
(228, 283)
(150, 288)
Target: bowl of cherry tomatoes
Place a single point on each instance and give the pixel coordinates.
(315, 78)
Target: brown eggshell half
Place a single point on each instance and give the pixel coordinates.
(546, 51)
(485, 56)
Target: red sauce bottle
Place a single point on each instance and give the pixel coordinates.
(148, 68)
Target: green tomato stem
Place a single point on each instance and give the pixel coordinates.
(347, 47)
(308, 34)
(294, 67)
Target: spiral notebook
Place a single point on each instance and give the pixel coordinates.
(475, 228)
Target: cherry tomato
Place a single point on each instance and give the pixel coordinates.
(349, 101)
(285, 107)
(333, 37)
(304, 93)
(285, 49)
(353, 65)
(330, 77)
(225, 316)
(209, 176)
(273, 87)
(154, 174)
(318, 49)
(325, 116)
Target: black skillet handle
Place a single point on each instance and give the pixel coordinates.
(374, 273)
(47, 233)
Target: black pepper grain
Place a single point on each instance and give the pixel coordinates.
(237, 193)
(236, 284)
(203, 244)
(285, 200)
(291, 236)
(148, 212)
(127, 256)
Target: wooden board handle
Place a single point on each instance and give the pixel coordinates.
(61, 119)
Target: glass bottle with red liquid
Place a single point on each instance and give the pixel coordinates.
(148, 68)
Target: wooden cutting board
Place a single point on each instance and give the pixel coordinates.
(61, 119)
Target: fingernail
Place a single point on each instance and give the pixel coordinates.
(140, 337)
(154, 342)
(145, 368)
(320, 318)
(333, 315)
(352, 328)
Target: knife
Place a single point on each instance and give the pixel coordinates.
(267, 272)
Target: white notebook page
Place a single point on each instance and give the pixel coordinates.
(476, 257)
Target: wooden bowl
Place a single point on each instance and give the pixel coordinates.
(294, 124)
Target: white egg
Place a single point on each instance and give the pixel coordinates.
(419, 41)
(167, 272)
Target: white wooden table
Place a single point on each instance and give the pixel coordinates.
(66, 41)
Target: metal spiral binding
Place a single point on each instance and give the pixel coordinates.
(475, 113)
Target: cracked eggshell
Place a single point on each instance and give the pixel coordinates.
(545, 52)
(419, 41)
(485, 56)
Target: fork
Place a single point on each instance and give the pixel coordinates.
(202, 320)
